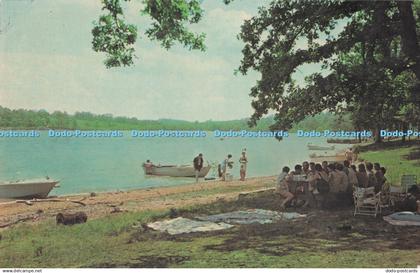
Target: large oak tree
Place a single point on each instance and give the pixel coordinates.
(371, 67)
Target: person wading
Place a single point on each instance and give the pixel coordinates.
(198, 165)
(243, 161)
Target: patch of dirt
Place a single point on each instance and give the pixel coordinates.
(103, 204)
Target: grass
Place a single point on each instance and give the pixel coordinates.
(395, 160)
(49, 245)
(117, 241)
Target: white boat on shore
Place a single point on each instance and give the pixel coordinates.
(175, 170)
(320, 147)
(31, 188)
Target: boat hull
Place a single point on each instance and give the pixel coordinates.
(320, 148)
(343, 141)
(176, 171)
(332, 158)
(35, 189)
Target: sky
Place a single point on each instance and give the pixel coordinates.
(46, 62)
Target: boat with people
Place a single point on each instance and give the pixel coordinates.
(175, 170)
(30, 188)
(320, 147)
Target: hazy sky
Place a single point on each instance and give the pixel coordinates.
(46, 62)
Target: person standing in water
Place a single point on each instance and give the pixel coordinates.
(243, 161)
(148, 167)
(198, 165)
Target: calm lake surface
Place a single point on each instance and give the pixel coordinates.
(108, 164)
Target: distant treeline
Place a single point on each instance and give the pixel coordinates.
(30, 119)
(325, 121)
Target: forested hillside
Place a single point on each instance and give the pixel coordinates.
(30, 119)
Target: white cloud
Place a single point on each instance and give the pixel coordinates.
(46, 63)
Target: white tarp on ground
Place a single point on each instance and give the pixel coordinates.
(254, 216)
(404, 218)
(183, 225)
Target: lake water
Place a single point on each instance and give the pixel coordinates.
(108, 164)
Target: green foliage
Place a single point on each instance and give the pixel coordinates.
(372, 66)
(29, 119)
(361, 65)
(324, 121)
(116, 38)
(113, 36)
(169, 19)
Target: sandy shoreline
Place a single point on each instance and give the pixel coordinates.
(133, 200)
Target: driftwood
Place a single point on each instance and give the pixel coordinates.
(78, 202)
(30, 202)
(116, 208)
(32, 217)
(27, 202)
(71, 218)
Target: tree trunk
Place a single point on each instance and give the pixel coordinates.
(410, 45)
(404, 128)
(378, 138)
(359, 138)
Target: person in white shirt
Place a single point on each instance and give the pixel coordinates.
(243, 161)
(226, 163)
(283, 187)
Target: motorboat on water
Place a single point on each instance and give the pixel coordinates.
(30, 188)
(174, 170)
(327, 157)
(320, 147)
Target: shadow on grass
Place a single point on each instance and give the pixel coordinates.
(326, 231)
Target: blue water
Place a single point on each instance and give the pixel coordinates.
(108, 164)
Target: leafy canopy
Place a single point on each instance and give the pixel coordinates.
(361, 65)
(113, 36)
(370, 68)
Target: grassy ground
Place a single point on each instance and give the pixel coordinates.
(121, 241)
(397, 157)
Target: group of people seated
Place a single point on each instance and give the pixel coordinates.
(308, 180)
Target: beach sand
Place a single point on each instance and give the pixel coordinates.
(102, 204)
